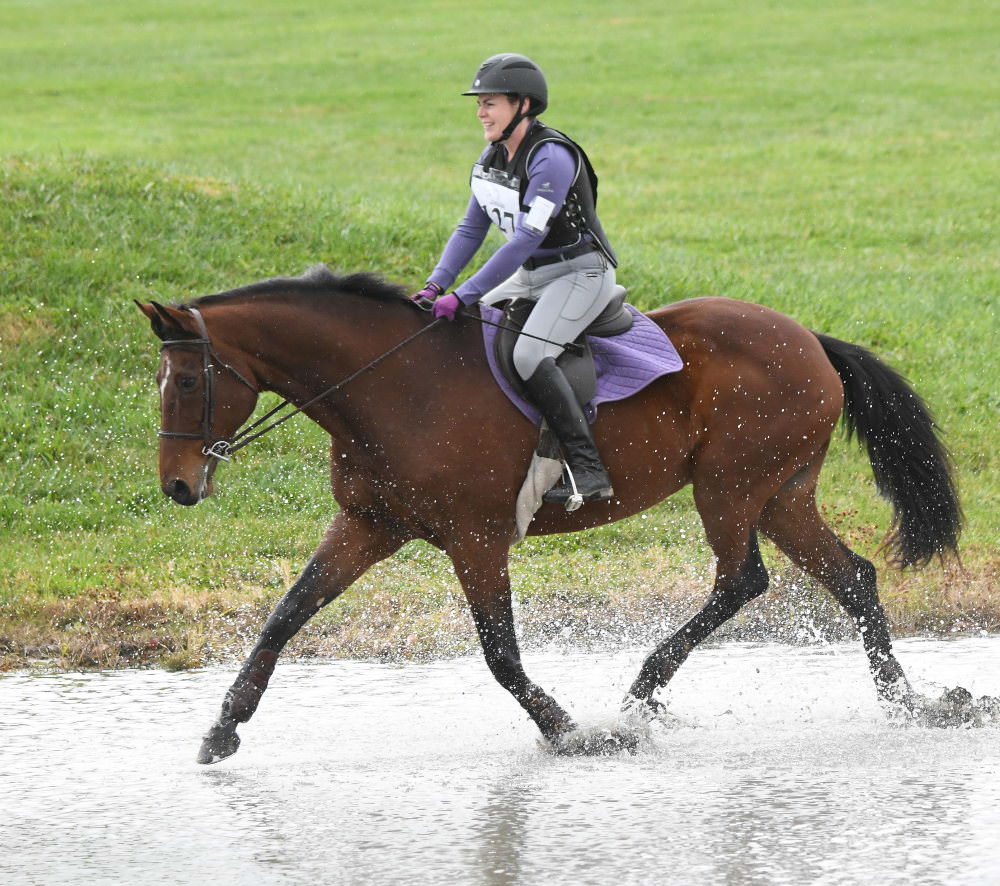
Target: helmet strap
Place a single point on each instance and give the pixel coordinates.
(495, 158)
(516, 120)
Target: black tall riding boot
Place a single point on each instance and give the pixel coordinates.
(551, 393)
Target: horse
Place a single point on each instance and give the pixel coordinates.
(424, 445)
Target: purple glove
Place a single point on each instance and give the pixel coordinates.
(426, 295)
(446, 306)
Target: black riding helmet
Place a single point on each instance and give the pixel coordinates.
(517, 76)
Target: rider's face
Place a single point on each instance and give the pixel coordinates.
(495, 112)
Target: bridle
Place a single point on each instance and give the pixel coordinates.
(222, 448)
(214, 446)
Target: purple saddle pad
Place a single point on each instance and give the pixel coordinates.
(625, 363)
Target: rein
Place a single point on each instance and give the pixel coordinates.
(571, 346)
(220, 447)
(245, 436)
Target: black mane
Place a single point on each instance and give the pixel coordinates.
(318, 281)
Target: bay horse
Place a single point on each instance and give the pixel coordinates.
(426, 446)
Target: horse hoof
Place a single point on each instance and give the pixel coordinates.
(595, 742)
(219, 742)
(990, 706)
(958, 697)
(955, 708)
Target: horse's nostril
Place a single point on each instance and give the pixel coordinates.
(180, 492)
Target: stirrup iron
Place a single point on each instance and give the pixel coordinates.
(575, 501)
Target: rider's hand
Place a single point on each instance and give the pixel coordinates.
(426, 295)
(446, 306)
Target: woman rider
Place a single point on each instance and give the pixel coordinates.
(538, 187)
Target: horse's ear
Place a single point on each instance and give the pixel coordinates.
(166, 322)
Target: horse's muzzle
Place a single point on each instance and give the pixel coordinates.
(181, 493)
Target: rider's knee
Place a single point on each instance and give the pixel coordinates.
(528, 353)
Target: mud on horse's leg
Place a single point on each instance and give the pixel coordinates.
(483, 575)
(352, 544)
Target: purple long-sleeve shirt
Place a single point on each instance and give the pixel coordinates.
(550, 174)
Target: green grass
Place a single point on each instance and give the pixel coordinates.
(838, 164)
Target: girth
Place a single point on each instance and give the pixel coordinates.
(579, 369)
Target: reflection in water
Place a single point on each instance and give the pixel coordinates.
(362, 773)
(499, 833)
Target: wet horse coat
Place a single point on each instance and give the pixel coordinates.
(427, 447)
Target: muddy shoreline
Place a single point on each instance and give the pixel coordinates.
(178, 629)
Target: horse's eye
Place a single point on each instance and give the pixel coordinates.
(187, 382)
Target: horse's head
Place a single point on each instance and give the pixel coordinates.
(206, 393)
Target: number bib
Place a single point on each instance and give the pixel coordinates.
(498, 193)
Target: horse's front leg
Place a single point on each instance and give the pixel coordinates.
(352, 544)
(482, 571)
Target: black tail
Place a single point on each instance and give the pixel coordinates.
(911, 466)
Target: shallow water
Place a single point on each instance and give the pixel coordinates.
(366, 773)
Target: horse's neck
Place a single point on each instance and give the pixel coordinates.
(286, 343)
(435, 388)
(298, 351)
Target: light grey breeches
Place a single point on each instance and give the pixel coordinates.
(570, 295)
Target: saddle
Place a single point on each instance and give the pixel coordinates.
(630, 350)
(578, 367)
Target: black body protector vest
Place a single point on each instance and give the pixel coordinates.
(500, 187)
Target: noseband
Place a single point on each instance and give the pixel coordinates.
(216, 447)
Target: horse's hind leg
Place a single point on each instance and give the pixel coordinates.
(739, 578)
(793, 523)
(351, 545)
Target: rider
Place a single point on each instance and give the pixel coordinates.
(539, 188)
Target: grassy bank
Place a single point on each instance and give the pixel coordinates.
(838, 165)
